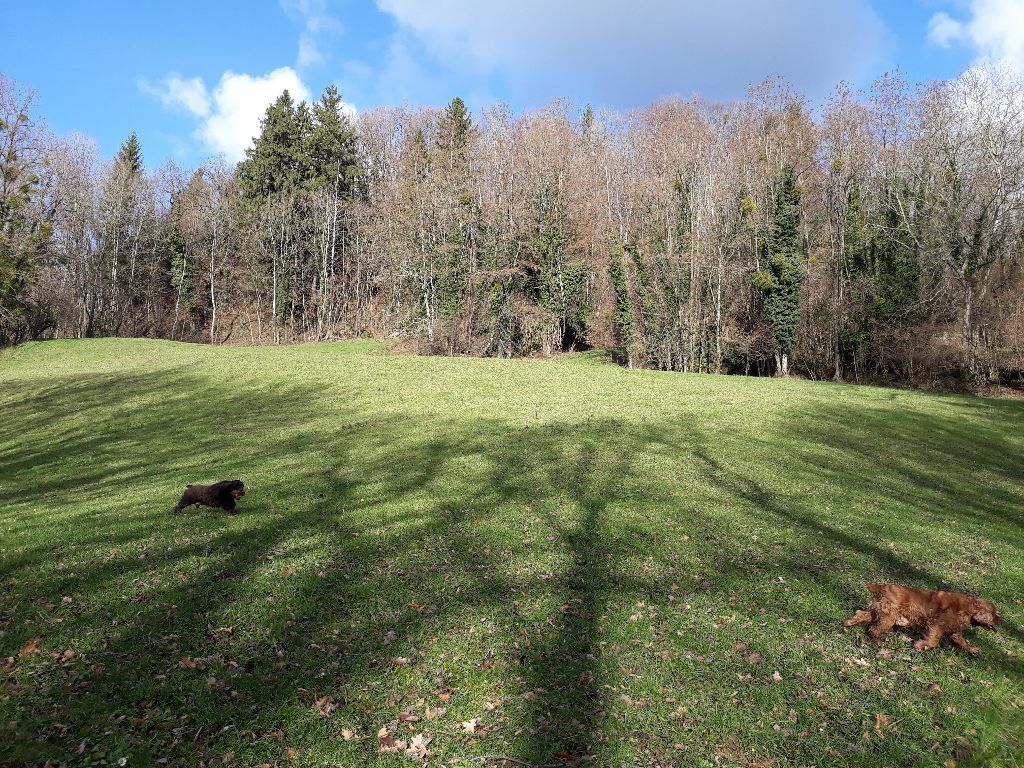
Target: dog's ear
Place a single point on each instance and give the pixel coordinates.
(990, 608)
(984, 612)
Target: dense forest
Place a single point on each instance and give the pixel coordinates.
(876, 237)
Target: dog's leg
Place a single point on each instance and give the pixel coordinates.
(932, 639)
(960, 642)
(883, 623)
(860, 617)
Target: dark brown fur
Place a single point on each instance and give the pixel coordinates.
(223, 495)
(935, 614)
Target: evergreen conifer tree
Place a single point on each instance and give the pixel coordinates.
(331, 145)
(274, 162)
(454, 131)
(587, 123)
(130, 156)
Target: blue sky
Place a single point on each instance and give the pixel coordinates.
(192, 77)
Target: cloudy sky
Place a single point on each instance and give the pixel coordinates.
(193, 77)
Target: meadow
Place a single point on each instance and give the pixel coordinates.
(479, 562)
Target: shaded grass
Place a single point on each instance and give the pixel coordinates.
(595, 564)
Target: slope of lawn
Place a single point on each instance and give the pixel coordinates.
(561, 563)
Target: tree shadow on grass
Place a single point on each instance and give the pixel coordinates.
(379, 561)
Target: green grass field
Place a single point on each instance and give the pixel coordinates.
(558, 562)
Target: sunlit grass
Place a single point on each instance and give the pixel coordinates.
(590, 563)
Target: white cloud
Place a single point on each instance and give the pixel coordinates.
(240, 101)
(176, 92)
(229, 117)
(317, 25)
(995, 29)
(628, 53)
(309, 52)
(943, 29)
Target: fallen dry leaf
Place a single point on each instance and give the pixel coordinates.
(881, 721)
(347, 734)
(418, 747)
(471, 726)
(388, 743)
(401, 661)
(32, 646)
(324, 706)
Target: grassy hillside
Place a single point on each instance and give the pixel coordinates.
(558, 562)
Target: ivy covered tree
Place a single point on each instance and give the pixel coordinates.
(454, 258)
(24, 233)
(623, 313)
(560, 283)
(780, 283)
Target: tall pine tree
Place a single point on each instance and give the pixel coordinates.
(130, 156)
(454, 130)
(274, 162)
(330, 146)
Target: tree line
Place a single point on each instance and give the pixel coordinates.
(877, 237)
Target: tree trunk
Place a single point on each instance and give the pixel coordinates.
(781, 364)
(971, 361)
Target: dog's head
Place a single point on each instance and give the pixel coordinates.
(236, 488)
(983, 614)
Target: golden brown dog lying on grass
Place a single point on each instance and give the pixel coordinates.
(936, 614)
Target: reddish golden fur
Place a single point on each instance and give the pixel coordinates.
(935, 614)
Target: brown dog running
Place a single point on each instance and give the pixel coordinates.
(223, 494)
(936, 614)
